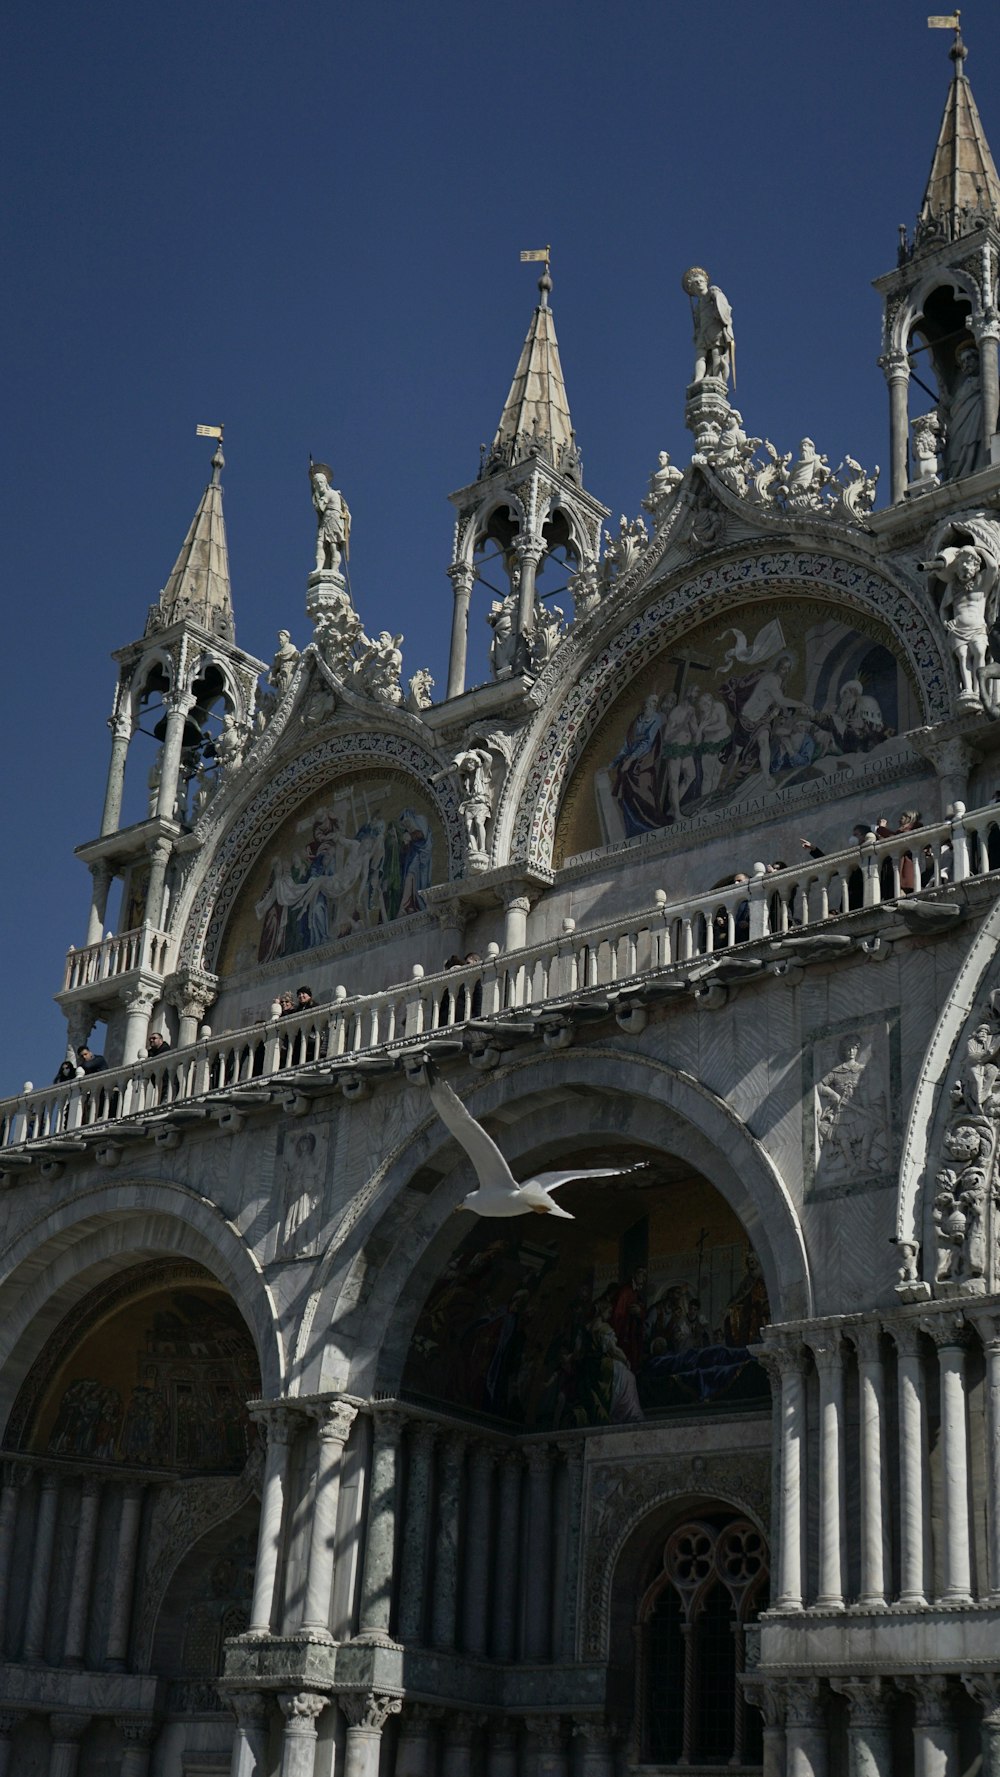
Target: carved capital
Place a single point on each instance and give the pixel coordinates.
(906, 1336)
(249, 1708)
(388, 1419)
(67, 1727)
(779, 1360)
(9, 1719)
(767, 1696)
(930, 1694)
(984, 1687)
(948, 1331)
(301, 1710)
(191, 991)
(866, 1337)
(537, 1459)
(803, 1705)
(546, 1731)
(137, 1730)
(274, 1418)
(460, 1728)
(334, 1420)
(369, 1709)
(592, 1729)
(868, 1698)
(827, 1347)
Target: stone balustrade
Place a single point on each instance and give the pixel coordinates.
(143, 948)
(631, 952)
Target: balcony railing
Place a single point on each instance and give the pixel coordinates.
(676, 938)
(117, 954)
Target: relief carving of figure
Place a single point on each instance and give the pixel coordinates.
(337, 630)
(546, 635)
(731, 456)
(806, 478)
(474, 771)
(850, 1112)
(333, 519)
(663, 484)
(505, 647)
(231, 744)
(967, 573)
(585, 587)
(714, 344)
(379, 666)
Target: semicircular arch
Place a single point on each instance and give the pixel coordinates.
(525, 825)
(370, 1278)
(67, 1252)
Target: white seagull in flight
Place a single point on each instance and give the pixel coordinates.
(499, 1193)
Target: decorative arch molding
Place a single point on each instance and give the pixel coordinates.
(67, 1252)
(182, 1516)
(913, 1220)
(371, 1279)
(959, 278)
(213, 895)
(622, 1497)
(529, 806)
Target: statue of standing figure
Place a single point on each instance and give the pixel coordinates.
(969, 576)
(333, 519)
(962, 414)
(714, 343)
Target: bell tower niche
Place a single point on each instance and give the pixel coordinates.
(527, 521)
(940, 332)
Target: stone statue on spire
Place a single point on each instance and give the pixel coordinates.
(333, 519)
(714, 344)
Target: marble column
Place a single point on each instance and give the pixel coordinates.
(785, 1366)
(250, 1739)
(456, 1752)
(462, 576)
(298, 1742)
(102, 877)
(501, 1750)
(517, 906)
(505, 1584)
(416, 1532)
(476, 1590)
(871, 1418)
(333, 1425)
(177, 706)
(138, 1733)
(280, 1431)
(913, 1471)
(9, 1719)
(546, 1746)
(529, 555)
(806, 1739)
(987, 1325)
(380, 1535)
(868, 1738)
(41, 1569)
(828, 1351)
(986, 339)
(78, 1609)
(948, 1332)
(14, 1477)
(139, 1001)
(769, 1699)
(121, 734)
(935, 1732)
(538, 1553)
(367, 1713)
(159, 858)
(446, 1542)
(414, 1749)
(597, 1747)
(67, 1730)
(897, 375)
(984, 1687)
(123, 1579)
(569, 1532)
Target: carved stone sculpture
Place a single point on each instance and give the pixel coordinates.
(420, 687)
(283, 665)
(333, 520)
(337, 631)
(231, 744)
(964, 575)
(585, 589)
(927, 433)
(474, 772)
(732, 454)
(623, 551)
(714, 344)
(961, 415)
(505, 646)
(806, 478)
(379, 666)
(663, 485)
(546, 635)
(963, 1202)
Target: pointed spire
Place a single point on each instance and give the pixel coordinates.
(198, 587)
(536, 417)
(963, 190)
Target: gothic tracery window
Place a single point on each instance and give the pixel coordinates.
(692, 1621)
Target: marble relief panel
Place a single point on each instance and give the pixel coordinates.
(850, 1099)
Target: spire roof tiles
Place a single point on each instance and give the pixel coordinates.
(536, 415)
(198, 587)
(963, 189)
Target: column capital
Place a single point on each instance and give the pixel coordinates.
(906, 1335)
(67, 1727)
(949, 1331)
(537, 1457)
(462, 575)
(368, 1709)
(301, 1709)
(591, 1728)
(483, 1455)
(249, 1707)
(766, 1695)
(137, 1730)
(461, 1726)
(388, 1420)
(984, 1687)
(986, 1322)
(9, 1719)
(276, 1418)
(929, 1691)
(420, 1718)
(866, 1337)
(781, 1357)
(334, 1419)
(803, 1705)
(545, 1730)
(868, 1698)
(827, 1347)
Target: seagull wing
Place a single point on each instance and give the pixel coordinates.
(550, 1181)
(492, 1170)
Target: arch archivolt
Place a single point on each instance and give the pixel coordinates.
(621, 1498)
(69, 1251)
(526, 818)
(955, 278)
(204, 911)
(376, 1278)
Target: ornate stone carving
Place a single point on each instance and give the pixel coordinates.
(963, 569)
(714, 343)
(333, 519)
(301, 1710)
(621, 552)
(473, 774)
(369, 1709)
(182, 1513)
(336, 626)
(420, 687)
(851, 1109)
(663, 485)
(927, 434)
(283, 665)
(507, 648)
(585, 589)
(964, 1183)
(379, 665)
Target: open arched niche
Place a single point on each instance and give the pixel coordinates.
(643, 1306)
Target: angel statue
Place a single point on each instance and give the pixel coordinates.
(333, 519)
(714, 344)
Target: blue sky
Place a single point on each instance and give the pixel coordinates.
(304, 220)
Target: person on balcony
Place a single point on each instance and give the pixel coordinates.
(156, 1044)
(90, 1063)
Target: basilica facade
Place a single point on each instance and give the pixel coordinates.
(685, 894)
